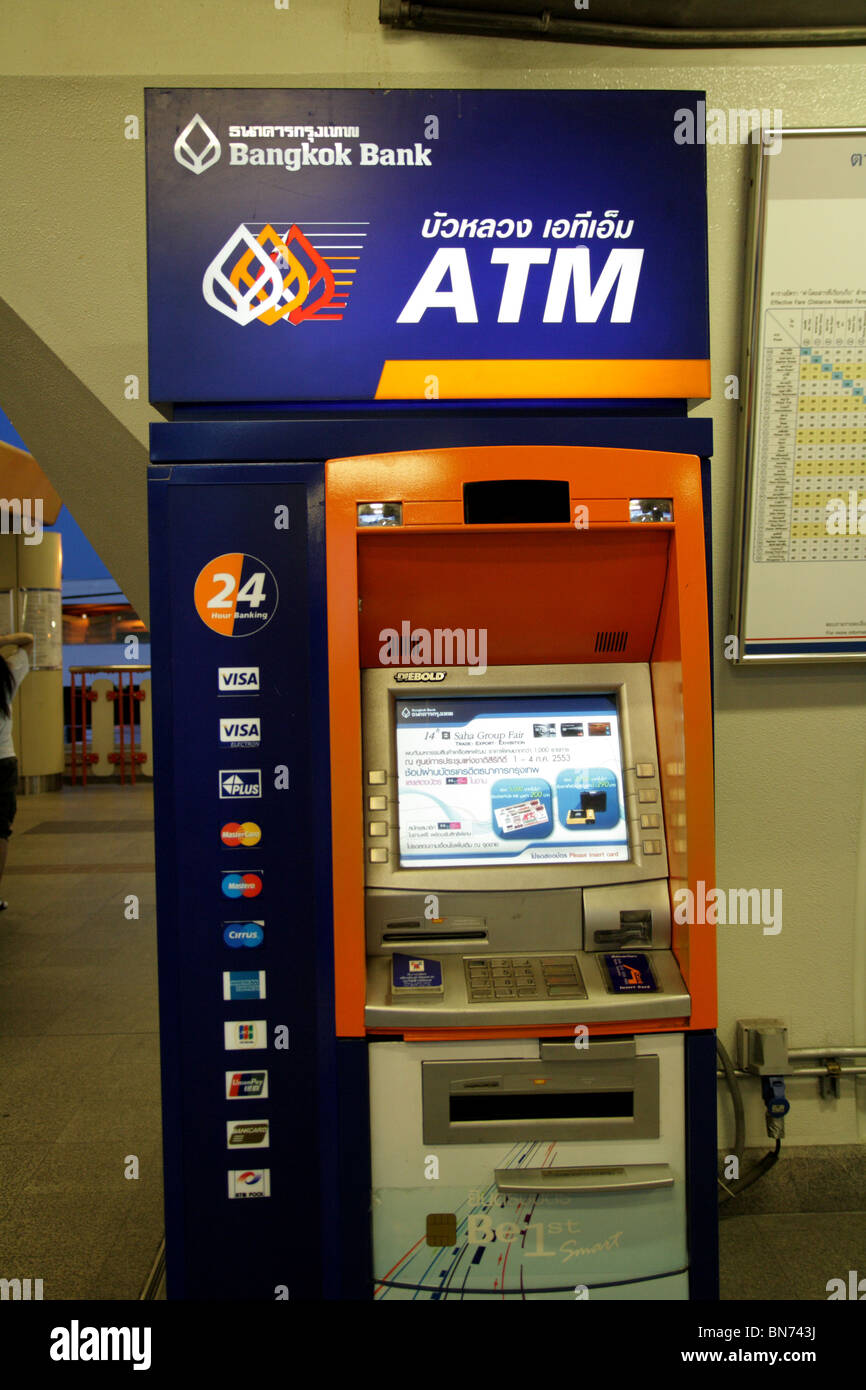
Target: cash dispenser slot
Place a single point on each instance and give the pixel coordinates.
(591, 1098)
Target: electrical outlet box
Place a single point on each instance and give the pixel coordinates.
(762, 1046)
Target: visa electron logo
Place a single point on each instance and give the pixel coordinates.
(238, 680)
(234, 834)
(210, 148)
(285, 276)
(238, 934)
(239, 782)
(242, 885)
(241, 733)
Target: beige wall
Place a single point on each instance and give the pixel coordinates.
(791, 746)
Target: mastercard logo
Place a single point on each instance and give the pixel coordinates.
(234, 833)
(242, 885)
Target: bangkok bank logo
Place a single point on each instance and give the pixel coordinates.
(201, 158)
(291, 276)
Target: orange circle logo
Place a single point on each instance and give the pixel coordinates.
(236, 595)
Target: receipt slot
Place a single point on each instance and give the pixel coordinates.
(521, 717)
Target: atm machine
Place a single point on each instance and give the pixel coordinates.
(429, 531)
(532, 1004)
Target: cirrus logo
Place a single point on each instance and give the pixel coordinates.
(238, 934)
(247, 885)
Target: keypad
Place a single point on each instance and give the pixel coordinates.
(510, 978)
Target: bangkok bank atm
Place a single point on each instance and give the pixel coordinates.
(524, 707)
(429, 546)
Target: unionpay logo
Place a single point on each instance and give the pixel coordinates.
(285, 274)
(236, 594)
(247, 885)
(243, 934)
(238, 680)
(197, 148)
(246, 1085)
(235, 833)
(238, 782)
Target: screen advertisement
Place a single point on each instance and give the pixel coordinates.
(509, 780)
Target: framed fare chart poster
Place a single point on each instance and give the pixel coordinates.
(799, 580)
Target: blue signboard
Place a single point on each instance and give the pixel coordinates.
(408, 245)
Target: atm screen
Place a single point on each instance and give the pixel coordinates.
(509, 780)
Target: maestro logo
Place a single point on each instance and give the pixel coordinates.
(246, 833)
(248, 934)
(247, 885)
(236, 595)
(285, 276)
(197, 148)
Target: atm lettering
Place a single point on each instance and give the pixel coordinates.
(574, 286)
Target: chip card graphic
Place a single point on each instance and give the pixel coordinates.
(236, 595)
(250, 1182)
(246, 1085)
(245, 1033)
(521, 816)
(248, 1134)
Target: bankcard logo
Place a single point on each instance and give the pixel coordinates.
(247, 885)
(246, 1085)
(241, 733)
(197, 148)
(285, 276)
(238, 782)
(248, 934)
(250, 1182)
(238, 680)
(248, 1134)
(236, 595)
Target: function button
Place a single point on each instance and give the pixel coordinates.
(378, 827)
(377, 779)
(647, 796)
(652, 846)
(479, 993)
(527, 994)
(504, 993)
(565, 992)
(379, 855)
(377, 803)
(644, 770)
(650, 820)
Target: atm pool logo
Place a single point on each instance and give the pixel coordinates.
(250, 1182)
(236, 595)
(287, 274)
(247, 885)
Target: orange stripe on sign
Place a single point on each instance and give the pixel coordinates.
(518, 379)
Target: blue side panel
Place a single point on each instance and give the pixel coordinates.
(343, 437)
(701, 1166)
(260, 1064)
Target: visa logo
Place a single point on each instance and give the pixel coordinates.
(245, 731)
(238, 680)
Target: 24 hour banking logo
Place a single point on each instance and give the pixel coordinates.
(236, 595)
(286, 276)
